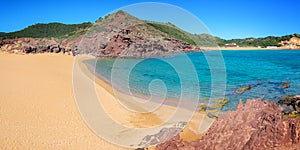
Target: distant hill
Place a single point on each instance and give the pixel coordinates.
(263, 42)
(2, 34)
(56, 30)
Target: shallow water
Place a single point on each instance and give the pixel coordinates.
(182, 74)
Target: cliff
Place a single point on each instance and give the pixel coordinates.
(292, 43)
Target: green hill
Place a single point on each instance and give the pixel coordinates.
(148, 28)
(172, 31)
(56, 30)
(264, 42)
(2, 34)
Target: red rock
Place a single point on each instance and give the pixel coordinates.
(255, 125)
(39, 45)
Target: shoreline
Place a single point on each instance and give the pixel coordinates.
(102, 81)
(189, 133)
(38, 109)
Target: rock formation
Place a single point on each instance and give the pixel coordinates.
(254, 125)
(39, 45)
(117, 35)
(292, 43)
(122, 35)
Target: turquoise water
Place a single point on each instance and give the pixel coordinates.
(263, 70)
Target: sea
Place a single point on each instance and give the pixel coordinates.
(206, 75)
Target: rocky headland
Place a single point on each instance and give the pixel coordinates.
(122, 35)
(256, 124)
(117, 35)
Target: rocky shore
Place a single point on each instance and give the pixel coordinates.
(39, 45)
(119, 45)
(256, 124)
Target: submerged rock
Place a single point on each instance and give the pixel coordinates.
(212, 107)
(241, 90)
(254, 125)
(285, 85)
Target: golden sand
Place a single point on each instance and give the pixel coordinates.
(37, 108)
(38, 111)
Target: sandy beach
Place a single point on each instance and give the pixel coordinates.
(37, 107)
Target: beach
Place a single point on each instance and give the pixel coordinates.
(38, 110)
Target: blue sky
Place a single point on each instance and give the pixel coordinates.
(224, 18)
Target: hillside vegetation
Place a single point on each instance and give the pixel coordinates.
(56, 30)
(263, 42)
(173, 31)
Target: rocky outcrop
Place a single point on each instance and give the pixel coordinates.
(39, 45)
(116, 35)
(254, 125)
(122, 35)
(292, 43)
(163, 135)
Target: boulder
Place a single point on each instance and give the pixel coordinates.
(30, 50)
(55, 49)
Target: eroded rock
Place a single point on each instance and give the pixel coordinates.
(38, 45)
(254, 125)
